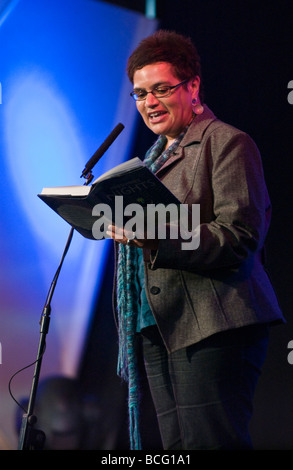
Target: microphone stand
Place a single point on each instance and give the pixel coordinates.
(31, 438)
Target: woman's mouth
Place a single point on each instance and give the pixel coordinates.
(156, 116)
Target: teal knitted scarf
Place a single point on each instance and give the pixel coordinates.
(128, 302)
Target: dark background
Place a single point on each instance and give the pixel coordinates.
(247, 59)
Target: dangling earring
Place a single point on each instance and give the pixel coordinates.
(197, 108)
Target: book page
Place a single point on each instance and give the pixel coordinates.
(121, 169)
(84, 190)
(67, 191)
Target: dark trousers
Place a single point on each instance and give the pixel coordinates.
(203, 394)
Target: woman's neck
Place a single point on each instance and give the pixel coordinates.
(169, 142)
(170, 139)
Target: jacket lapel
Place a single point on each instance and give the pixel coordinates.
(194, 134)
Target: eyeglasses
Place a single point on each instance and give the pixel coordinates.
(161, 91)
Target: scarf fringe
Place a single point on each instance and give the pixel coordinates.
(127, 363)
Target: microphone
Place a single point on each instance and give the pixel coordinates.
(102, 149)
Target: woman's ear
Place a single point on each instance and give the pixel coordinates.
(195, 84)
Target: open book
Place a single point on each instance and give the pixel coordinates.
(131, 180)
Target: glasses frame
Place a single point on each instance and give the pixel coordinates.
(169, 92)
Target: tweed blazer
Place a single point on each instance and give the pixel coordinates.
(221, 284)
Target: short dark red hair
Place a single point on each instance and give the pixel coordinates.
(171, 47)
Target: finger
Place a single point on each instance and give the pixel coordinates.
(115, 232)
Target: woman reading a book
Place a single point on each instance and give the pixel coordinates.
(204, 313)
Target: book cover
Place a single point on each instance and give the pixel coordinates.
(129, 183)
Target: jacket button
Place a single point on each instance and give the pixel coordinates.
(155, 290)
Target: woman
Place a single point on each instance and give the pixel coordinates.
(204, 313)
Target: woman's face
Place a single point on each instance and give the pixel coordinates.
(168, 115)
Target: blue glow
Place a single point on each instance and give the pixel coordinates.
(64, 89)
(48, 147)
(6, 9)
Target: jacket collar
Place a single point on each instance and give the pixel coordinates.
(194, 134)
(198, 127)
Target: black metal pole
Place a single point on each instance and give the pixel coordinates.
(31, 438)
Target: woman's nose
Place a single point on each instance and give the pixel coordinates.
(151, 100)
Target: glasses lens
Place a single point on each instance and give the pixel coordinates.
(161, 91)
(139, 95)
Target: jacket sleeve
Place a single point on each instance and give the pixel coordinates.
(231, 178)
